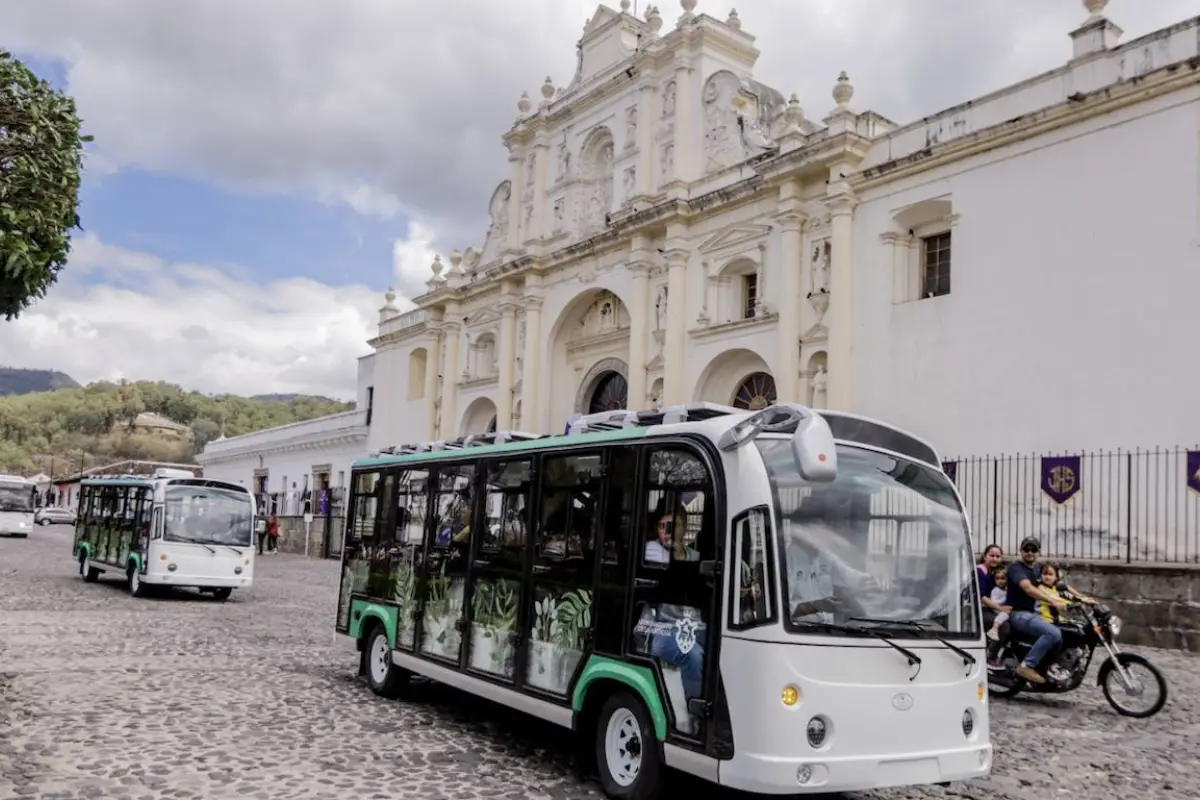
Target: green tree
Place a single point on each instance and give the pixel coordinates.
(41, 156)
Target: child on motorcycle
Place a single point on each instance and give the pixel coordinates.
(1051, 584)
(999, 631)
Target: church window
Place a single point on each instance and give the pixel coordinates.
(935, 261)
(749, 295)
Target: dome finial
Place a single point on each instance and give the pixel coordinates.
(843, 90)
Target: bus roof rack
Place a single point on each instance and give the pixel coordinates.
(470, 440)
(667, 415)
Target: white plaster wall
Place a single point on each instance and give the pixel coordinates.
(396, 419)
(366, 378)
(1075, 291)
(289, 465)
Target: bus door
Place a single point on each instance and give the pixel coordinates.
(498, 569)
(674, 593)
(559, 622)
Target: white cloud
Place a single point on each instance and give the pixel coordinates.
(119, 313)
(411, 259)
(396, 108)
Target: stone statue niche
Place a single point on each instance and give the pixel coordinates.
(497, 235)
(733, 131)
(594, 193)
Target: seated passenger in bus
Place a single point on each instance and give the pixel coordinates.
(819, 582)
(678, 633)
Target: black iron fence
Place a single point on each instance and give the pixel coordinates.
(1132, 506)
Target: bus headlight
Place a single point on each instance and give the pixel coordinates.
(968, 723)
(172, 567)
(815, 732)
(237, 570)
(790, 695)
(1114, 625)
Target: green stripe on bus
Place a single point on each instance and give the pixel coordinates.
(362, 612)
(531, 445)
(638, 678)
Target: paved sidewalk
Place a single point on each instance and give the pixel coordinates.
(102, 695)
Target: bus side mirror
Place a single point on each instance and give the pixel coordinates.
(813, 449)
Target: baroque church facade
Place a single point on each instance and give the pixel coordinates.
(1015, 273)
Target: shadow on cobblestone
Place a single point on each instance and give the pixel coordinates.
(104, 695)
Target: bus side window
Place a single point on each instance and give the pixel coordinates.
(753, 598)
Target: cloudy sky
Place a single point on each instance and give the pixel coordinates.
(264, 169)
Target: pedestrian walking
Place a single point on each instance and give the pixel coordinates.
(260, 527)
(273, 534)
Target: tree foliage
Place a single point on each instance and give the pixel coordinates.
(41, 157)
(95, 424)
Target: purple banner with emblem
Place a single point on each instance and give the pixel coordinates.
(1193, 470)
(1060, 477)
(951, 470)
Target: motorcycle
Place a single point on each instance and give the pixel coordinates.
(1085, 629)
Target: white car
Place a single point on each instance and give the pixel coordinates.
(52, 515)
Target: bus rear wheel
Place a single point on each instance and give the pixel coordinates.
(628, 757)
(383, 676)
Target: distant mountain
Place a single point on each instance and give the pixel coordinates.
(27, 381)
(287, 398)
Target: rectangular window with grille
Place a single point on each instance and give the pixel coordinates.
(749, 295)
(935, 259)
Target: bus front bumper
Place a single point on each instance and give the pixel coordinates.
(775, 775)
(201, 581)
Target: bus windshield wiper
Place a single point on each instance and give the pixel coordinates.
(234, 549)
(192, 540)
(923, 625)
(914, 660)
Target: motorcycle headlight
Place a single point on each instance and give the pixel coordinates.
(1114, 625)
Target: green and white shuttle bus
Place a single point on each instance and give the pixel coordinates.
(780, 601)
(169, 529)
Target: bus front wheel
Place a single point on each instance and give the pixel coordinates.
(133, 580)
(89, 573)
(222, 593)
(383, 676)
(628, 756)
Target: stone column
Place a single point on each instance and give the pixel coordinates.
(506, 357)
(842, 367)
(541, 180)
(433, 366)
(531, 415)
(647, 114)
(516, 161)
(453, 327)
(791, 265)
(675, 342)
(639, 334)
(687, 150)
(895, 250)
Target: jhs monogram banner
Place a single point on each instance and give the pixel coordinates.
(1193, 470)
(1060, 477)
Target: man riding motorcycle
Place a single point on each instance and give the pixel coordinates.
(1024, 592)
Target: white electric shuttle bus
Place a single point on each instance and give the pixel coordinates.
(169, 529)
(16, 505)
(780, 601)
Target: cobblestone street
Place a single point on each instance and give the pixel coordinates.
(103, 695)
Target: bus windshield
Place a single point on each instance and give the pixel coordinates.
(16, 498)
(884, 547)
(208, 515)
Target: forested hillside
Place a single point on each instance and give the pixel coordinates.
(95, 424)
(24, 381)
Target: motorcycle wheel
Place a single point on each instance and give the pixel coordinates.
(1109, 675)
(1005, 692)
